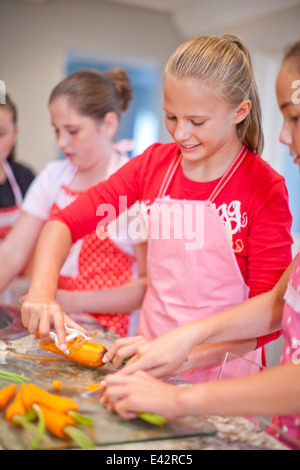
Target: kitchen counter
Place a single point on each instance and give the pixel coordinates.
(230, 433)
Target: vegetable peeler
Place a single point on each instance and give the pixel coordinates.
(73, 334)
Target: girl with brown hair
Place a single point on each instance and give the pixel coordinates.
(85, 110)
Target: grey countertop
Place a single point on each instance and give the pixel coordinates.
(232, 433)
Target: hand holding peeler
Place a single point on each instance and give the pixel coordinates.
(73, 334)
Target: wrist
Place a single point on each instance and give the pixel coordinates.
(195, 333)
(192, 400)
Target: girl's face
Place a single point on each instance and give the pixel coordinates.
(288, 98)
(82, 139)
(200, 122)
(8, 133)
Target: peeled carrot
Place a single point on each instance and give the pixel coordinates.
(18, 415)
(63, 426)
(16, 410)
(56, 421)
(6, 394)
(87, 354)
(31, 394)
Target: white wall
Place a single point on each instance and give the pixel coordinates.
(35, 39)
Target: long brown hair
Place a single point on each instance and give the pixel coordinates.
(95, 94)
(223, 62)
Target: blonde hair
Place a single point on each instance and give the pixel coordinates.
(223, 62)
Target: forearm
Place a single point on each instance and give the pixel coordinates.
(18, 245)
(207, 354)
(256, 317)
(125, 298)
(12, 259)
(52, 250)
(274, 391)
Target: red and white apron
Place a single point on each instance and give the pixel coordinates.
(9, 215)
(188, 281)
(95, 263)
(290, 425)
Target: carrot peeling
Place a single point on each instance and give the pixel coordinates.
(93, 387)
(56, 385)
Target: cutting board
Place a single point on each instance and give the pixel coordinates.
(109, 428)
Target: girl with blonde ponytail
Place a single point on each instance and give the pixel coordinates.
(274, 391)
(216, 214)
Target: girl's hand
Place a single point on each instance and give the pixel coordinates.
(38, 314)
(124, 348)
(164, 355)
(129, 395)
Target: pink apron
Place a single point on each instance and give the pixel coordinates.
(9, 215)
(290, 425)
(98, 264)
(192, 273)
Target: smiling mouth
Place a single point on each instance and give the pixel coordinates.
(189, 147)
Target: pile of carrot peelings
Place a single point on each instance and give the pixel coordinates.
(57, 414)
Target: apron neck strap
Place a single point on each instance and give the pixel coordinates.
(13, 183)
(229, 173)
(223, 181)
(169, 174)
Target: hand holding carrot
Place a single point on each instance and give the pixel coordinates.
(165, 355)
(124, 348)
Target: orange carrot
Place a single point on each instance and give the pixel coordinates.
(31, 394)
(56, 421)
(16, 409)
(93, 387)
(6, 394)
(87, 354)
(63, 426)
